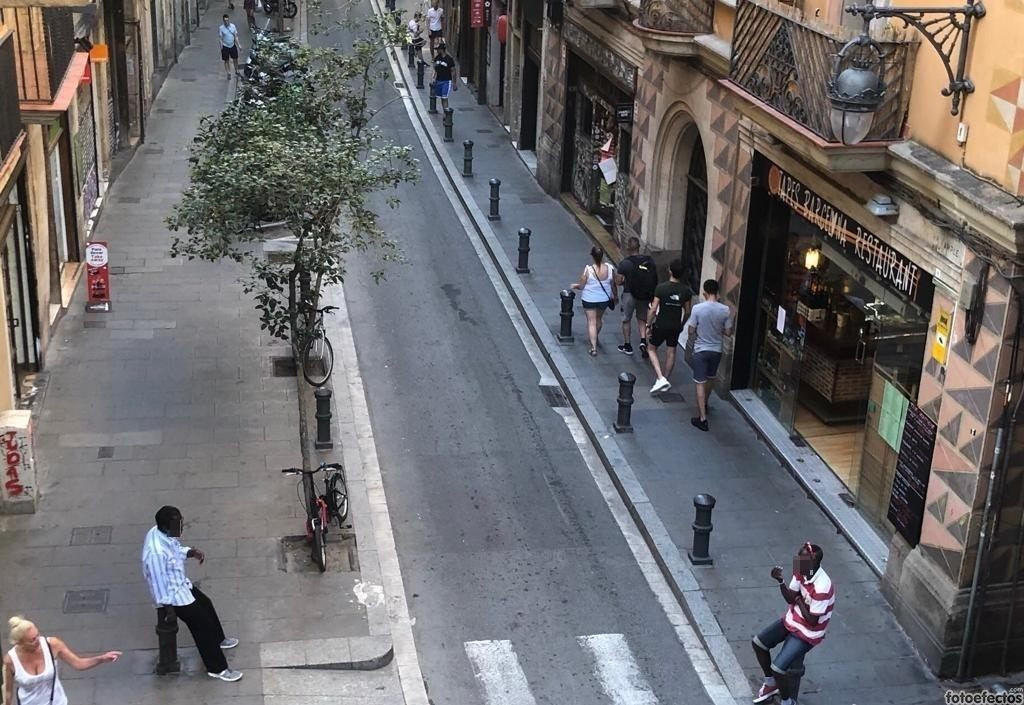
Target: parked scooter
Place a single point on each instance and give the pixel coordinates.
(290, 8)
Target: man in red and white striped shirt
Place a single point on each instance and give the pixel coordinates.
(811, 596)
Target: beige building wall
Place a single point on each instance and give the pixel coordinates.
(40, 224)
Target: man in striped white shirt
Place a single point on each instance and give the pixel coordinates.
(163, 565)
(811, 597)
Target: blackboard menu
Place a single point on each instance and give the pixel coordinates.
(910, 483)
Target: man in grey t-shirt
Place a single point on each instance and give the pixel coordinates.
(710, 322)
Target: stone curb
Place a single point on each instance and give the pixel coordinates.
(365, 653)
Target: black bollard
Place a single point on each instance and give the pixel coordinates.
(565, 329)
(167, 641)
(323, 419)
(626, 382)
(448, 121)
(421, 67)
(524, 251)
(467, 158)
(495, 198)
(433, 99)
(702, 530)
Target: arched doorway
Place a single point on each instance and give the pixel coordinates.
(695, 216)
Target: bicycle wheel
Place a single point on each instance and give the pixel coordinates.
(319, 545)
(290, 9)
(309, 499)
(337, 494)
(317, 359)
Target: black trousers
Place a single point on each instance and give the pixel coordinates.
(204, 624)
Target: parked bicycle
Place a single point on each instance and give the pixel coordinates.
(317, 352)
(321, 507)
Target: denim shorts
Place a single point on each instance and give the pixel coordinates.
(598, 305)
(793, 647)
(705, 365)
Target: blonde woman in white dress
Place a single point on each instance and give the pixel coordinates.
(30, 665)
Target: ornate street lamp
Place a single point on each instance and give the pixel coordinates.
(857, 85)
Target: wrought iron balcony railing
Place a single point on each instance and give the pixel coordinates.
(44, 44)
(10, 115)
(784, 61)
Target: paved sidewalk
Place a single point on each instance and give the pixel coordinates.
(762, 515)
(171, 398)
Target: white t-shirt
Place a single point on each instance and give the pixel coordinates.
(228, 35)
(434, 16)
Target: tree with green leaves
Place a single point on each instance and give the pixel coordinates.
(300, 149)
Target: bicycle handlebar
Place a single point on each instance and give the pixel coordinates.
(322, 466)
(327, 309)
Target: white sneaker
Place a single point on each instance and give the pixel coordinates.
(229, 642)
(227, 675)
(662, 385)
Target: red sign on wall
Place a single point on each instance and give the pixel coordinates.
(97, 263)
(476, 13)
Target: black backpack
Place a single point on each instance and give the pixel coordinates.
(644, 279)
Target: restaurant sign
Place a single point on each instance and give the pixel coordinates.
(880, 257)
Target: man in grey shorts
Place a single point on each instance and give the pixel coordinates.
(638, 276)
(710, 322)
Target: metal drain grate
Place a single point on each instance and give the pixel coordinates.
(129, 199)
(532, 200)
(671, 398)
(165, 111)
(485, 132)
(85, 601)
(91, 535)
(116, 270)
(285, 367)
(95, 324)
(554, 396)
(105, 452)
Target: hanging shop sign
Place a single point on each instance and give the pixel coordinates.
(624, 113)
(476, 13)
(97, 263)
(884, 260)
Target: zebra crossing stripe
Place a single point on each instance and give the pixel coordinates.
(496, 666)
(617, 669)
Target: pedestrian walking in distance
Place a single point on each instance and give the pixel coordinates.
(228, 45)
(638, 277)
(250, 13)
(446, 73)
(811, 597)
(163, 565)
(416, 39)
(599, 292)
(31, 666)
(709, 325)
(669, 310)
(435, 19)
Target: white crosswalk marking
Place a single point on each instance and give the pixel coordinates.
(617, 669)
(497, 668)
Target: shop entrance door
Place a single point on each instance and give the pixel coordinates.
(695, 218)
(21, 320)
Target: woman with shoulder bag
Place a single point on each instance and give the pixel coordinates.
(32, 665)
(599, 292)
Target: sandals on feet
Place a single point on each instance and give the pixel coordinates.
(593, 352)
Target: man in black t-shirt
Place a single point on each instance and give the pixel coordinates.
(446, 73)
(669, 310)
(638, 276)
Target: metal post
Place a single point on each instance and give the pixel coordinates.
(323, 419)
(167, 641)
(565, 329)
(447, 121)
(702, 530)
(467, 158)
(421, 67)
(626, 382)
(433, 99)
(495, 197)
(523, 267)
